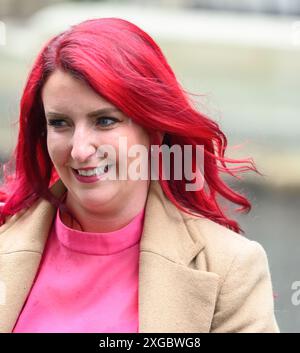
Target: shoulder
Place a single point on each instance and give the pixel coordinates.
(245, 301)
(223, 248)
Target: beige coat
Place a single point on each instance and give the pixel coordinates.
(194, 274)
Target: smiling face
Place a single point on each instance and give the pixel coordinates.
(79, 122)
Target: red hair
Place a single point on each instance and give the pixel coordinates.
(125, 66)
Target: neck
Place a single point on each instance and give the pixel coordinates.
(114, 217)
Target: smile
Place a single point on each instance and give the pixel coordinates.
(91, 175)
(95, 171)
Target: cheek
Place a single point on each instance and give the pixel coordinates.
(57, 150)
(136, 135)
(140, 137)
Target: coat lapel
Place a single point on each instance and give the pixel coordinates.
(22, 240)
(174, 296)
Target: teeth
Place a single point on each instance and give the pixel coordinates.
(93, 172)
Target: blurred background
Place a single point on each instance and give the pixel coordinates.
(243, 58)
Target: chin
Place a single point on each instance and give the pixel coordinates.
(93, 200)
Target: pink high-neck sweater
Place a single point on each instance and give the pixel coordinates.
(86, 282)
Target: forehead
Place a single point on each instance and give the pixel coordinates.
(62, 90)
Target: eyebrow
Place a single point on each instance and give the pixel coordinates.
(93, 114)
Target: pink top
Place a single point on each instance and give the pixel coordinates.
(86, 282)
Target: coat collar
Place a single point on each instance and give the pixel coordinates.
(174, 295)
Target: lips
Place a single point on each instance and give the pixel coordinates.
(89, 178)
(99, 169)
(86, 168)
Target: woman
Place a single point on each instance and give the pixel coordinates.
(84, 250)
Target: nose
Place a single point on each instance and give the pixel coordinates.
(82, 145)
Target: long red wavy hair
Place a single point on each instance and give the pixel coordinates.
(124, 65)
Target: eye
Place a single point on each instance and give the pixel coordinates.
(103, 122)
(56, 122)
(106, 121)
